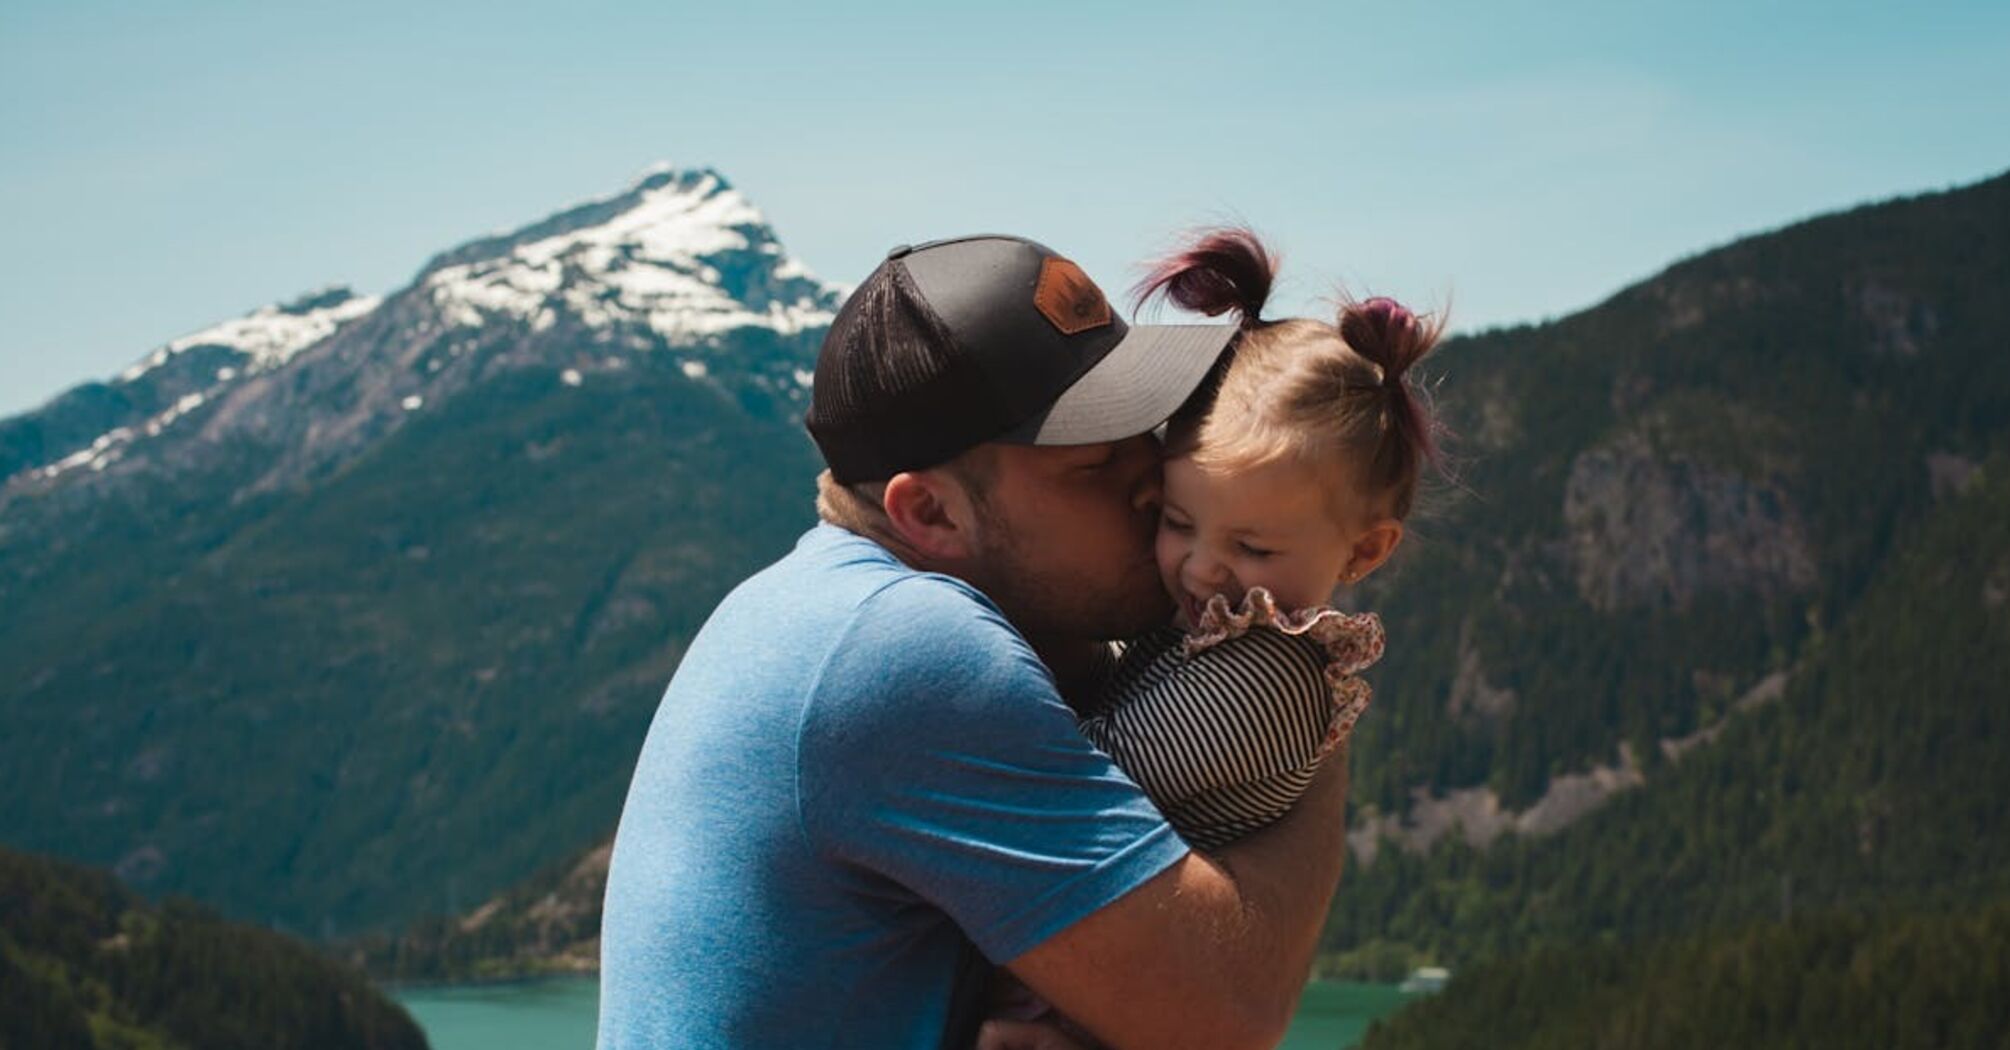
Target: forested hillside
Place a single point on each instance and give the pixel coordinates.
(86, 964)
(1877, 782)
(1828, 982)
(1664, 499)
(368, 622)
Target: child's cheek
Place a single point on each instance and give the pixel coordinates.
(1171, 549)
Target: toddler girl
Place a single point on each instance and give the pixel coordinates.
(1287, 477)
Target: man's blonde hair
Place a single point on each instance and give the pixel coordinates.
(860, 507)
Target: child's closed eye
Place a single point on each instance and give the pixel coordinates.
(1259, 553)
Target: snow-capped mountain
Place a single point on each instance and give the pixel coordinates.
(680, 268)
(173, 381)
(324, 610)
(267, 337)
(681, 254)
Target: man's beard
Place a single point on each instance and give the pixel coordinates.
(1048, 603)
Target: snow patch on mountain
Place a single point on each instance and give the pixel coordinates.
(654, 262)
(679, 261)
(110, 445)
(270, 335)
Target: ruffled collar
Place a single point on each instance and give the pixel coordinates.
(1351, 641)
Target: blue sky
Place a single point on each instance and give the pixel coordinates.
(163, 167)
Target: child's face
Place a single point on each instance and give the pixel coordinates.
(1272, 527)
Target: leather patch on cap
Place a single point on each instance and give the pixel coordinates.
(1068, 299)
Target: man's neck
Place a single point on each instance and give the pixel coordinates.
(1079, 667)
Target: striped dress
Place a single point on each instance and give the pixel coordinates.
(1225, 726)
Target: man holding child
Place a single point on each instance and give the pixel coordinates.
(865, 786)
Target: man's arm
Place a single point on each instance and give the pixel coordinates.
(1211, 953)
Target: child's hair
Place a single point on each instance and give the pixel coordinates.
(1301, 388)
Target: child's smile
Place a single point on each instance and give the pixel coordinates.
(1271, 526)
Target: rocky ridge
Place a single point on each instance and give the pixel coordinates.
(679, 264)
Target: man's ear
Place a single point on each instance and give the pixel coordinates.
(931, 513)
(1371, 549)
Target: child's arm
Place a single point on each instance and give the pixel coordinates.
(1225, 736)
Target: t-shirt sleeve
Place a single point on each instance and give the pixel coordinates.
(935, 753)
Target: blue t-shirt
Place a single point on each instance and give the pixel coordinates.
(859, 773)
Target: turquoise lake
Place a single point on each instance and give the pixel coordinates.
(558, 1014)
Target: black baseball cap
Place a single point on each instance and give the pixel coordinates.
(953, 343)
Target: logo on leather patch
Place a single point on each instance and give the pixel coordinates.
(1068, 299)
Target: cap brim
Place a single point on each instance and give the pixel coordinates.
(1142, 380)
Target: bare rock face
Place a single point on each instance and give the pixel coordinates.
(1573, 795)
(1477, 815)
(1948, 474)
(1688, 300)
(1472, 695)
(1655, 530)
(1900, 323)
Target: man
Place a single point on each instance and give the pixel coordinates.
(864, 782)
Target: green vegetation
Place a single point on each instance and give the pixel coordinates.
(1876, 782)
(1748, 437)
(86, 964)
(549, 923)
(401, 690)
(1833, 982)
(1840, 384)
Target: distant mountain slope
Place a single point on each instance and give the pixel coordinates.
(376, 628)
(90, 425)
(1742, 585)
(1876, 782)
(86, 964)
(550, 923)
(1667, 496)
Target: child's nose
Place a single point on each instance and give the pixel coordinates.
(1209, 570)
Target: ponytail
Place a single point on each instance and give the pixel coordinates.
(1300, 387)
(1224, 270)
(1391, 337)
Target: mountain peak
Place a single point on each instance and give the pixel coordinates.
(664, 173)
(680, 253)
(678, 261)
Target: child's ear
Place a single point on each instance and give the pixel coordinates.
(1371, 548)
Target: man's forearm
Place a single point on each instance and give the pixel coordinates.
(1286, 875)
(1211, 953)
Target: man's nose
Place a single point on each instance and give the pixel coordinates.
(1149, 492)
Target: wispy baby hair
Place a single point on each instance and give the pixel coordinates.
(1321, 393)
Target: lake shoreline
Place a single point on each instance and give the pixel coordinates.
(560, 1012)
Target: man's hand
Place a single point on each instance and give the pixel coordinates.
(1027, 1035)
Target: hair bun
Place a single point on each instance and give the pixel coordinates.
(1219, 271)
(1386, 332)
